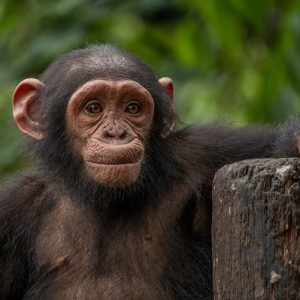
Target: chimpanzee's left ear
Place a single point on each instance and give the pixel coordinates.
(167, 83)
(25, 107)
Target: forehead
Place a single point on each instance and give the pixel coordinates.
(103, 85)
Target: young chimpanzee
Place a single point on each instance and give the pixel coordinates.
(118, 204)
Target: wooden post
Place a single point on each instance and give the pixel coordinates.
(256, 230)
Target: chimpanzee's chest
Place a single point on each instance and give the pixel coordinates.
(80, 257)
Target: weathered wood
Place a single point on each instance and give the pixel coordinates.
(256, 230)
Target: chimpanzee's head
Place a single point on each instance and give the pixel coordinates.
(96, 110)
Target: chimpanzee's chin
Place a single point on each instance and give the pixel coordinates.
(114, 176)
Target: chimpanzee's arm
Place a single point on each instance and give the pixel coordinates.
(18, 222)
(202, 150)
(13, 275)
(211, 146)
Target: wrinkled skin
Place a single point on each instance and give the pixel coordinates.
(109, 122)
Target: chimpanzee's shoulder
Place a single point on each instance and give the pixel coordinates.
(22, 189)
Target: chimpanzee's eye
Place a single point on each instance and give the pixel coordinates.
(93, 107)
(133, 108)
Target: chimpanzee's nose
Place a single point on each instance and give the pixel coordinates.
(115, 134)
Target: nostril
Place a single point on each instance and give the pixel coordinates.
(123, 134)
(108, 134)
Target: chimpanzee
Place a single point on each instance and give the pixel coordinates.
(117, 205)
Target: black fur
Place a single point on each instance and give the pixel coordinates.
(171, 197)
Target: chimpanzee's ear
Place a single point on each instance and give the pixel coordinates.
(25, 106)
(167, 83)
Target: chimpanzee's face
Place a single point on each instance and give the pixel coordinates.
(108, 122)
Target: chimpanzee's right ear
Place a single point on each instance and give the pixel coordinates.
(25, 106)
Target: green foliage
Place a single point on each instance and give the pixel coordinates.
(232, 59)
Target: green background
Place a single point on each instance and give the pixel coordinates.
(233, 59)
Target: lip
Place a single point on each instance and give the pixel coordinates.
(115, 157)
(118, 143)
(114, 164)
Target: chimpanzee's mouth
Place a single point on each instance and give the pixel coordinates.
(125, 158)
(114, 163)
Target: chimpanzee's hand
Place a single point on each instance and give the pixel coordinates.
(287, 143)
